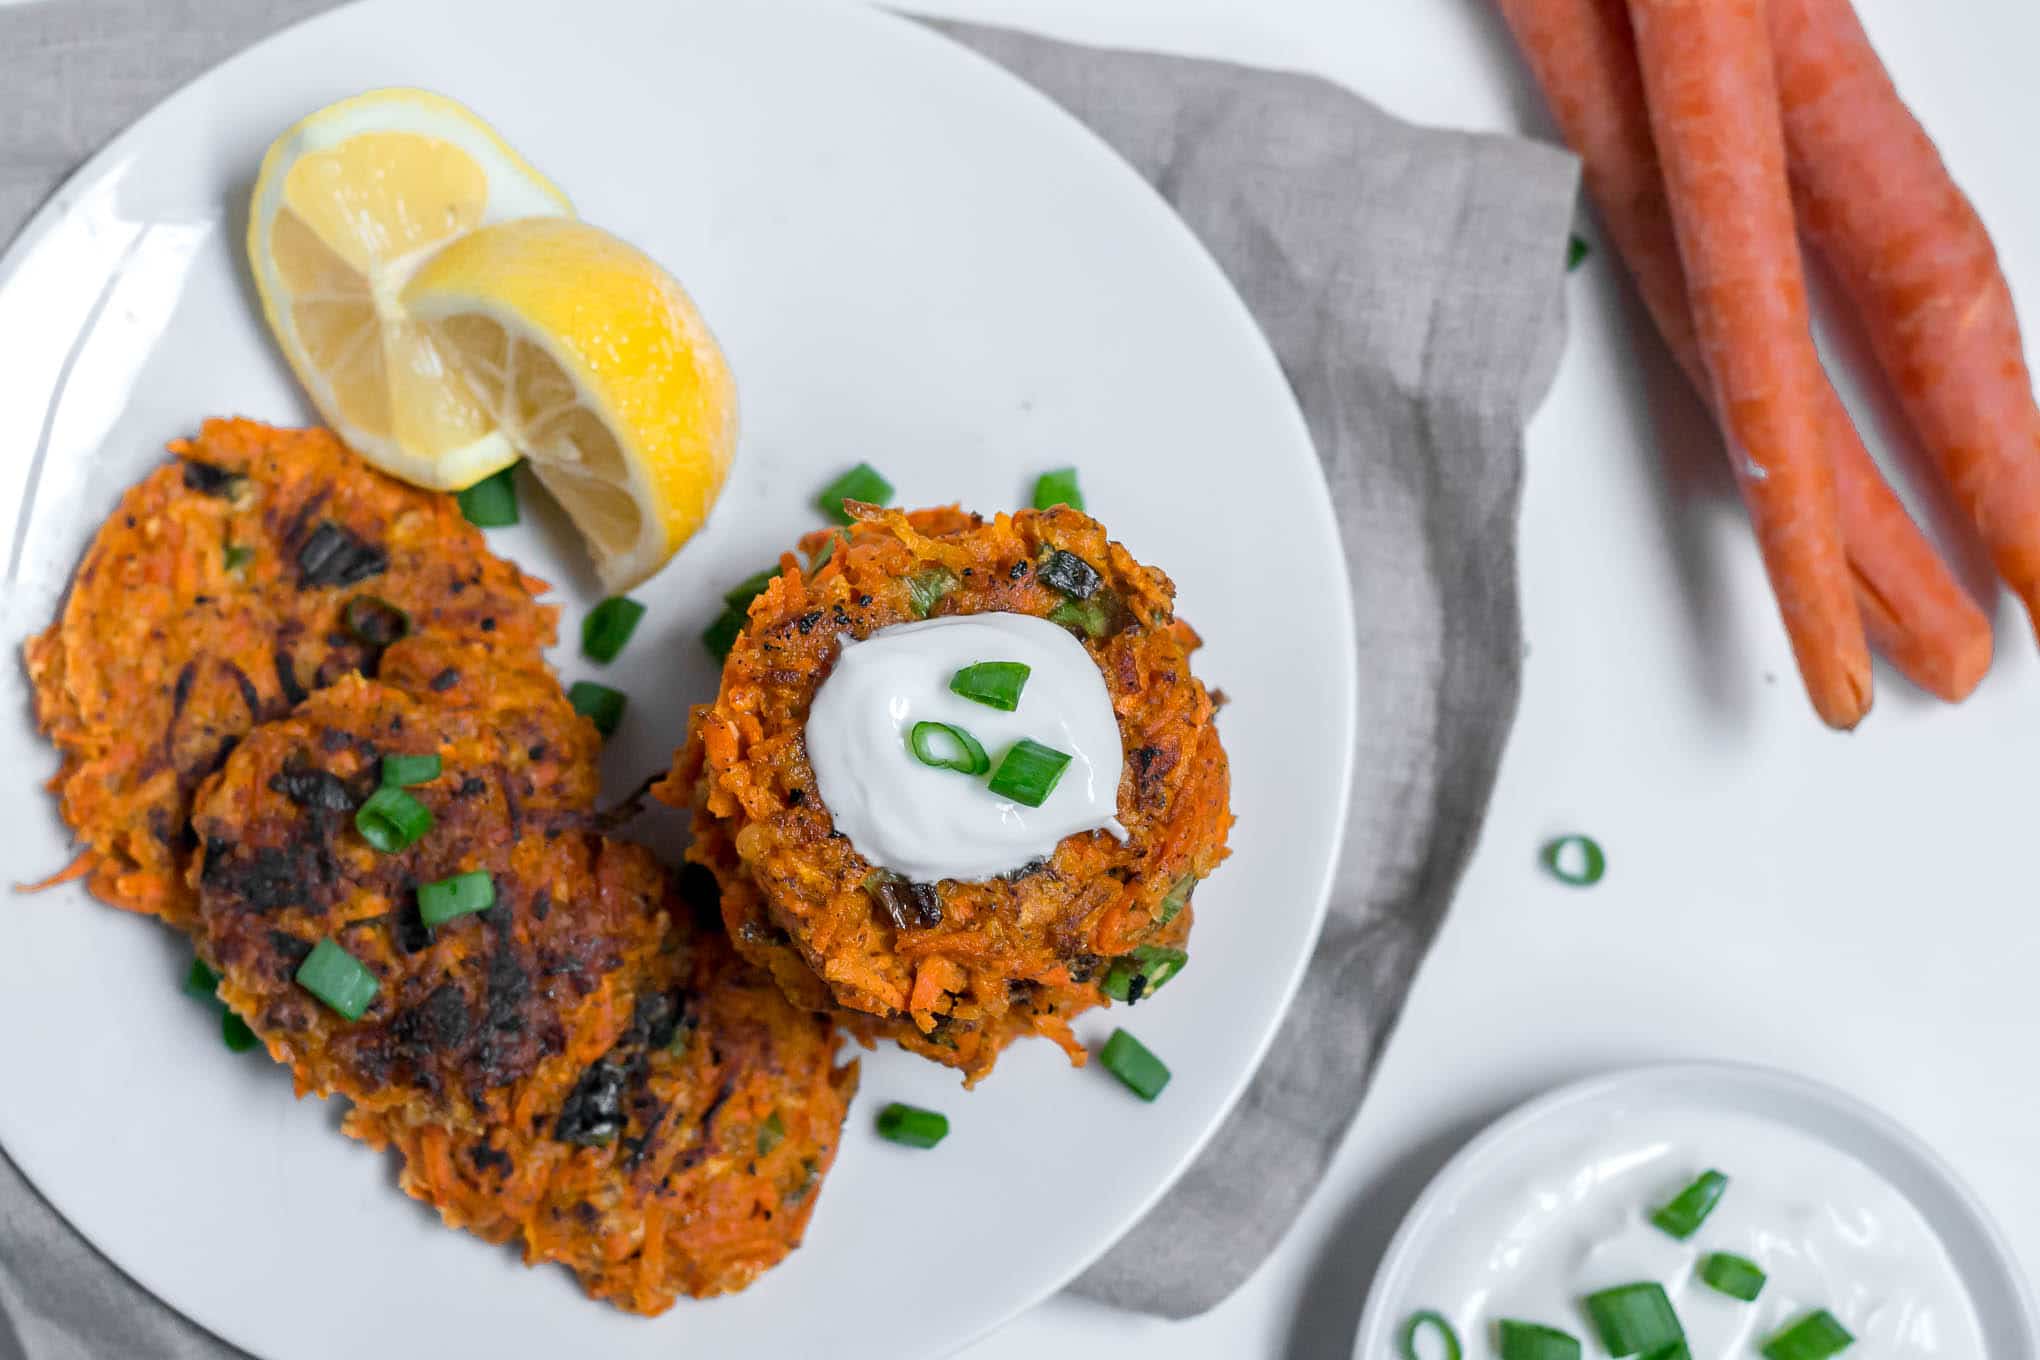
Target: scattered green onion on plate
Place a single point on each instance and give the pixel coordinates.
(1576, 252)
(740, 595)
(401, 772)
(1436, 1325)
(234, 1032)
(964, 755)
(1577, 860)
(1691, 1206)
(861, 483)
(1736, 1276)
(1128, 1059)
(339, 979)
(1142, 973)
(1634, 1319)
(1535, 1341)
(201, 981)
(392, 820)
(1814, 1337)
(608, 627)
(599, 704)
(912, 1126)
(491, 503)
(1058, 488)
(459, 895)
(1029, 772)
(995, 684)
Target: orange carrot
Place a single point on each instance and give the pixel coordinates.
(1583, 57)
(1877, 201)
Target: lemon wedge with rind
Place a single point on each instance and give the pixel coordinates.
(594, 363)
(348, 202)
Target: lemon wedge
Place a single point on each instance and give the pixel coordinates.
(348, 202)
(594, 363)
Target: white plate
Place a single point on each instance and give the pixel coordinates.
(911, 258)
(1519, 1146)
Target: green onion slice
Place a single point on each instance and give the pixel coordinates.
(995, 684)
(235, 1034)
(719, 637)
(1142, 973)
(608, 626)
(1814, 1337)
(337, 978)
(1437, 1325)
(1028, 773)
(740, 595)
(926, 587)
(1577, 860)
(1736, 1276)
(912, 1126)
(1058, 488)
(1128, 1059)
(599, 704)
(401, 772)
(1690, 1207)
(491, 503)
(861, 483)
(1178, 898)
(1534, 1341)
(1634, 1319)
(238, 556)
(965, 756)
(375, 621)
(1576, 252)
(1093, 617)
(821, 559)
(201, 981)
(392, 820)
(459, 895)
(771, 1133)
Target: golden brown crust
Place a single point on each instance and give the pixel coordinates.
(165, 654)
(1010, 955)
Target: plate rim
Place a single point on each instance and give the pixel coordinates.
(909, 28)
(1708, 1078)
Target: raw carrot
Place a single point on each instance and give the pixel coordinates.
(1877, 201)
(1583, 57)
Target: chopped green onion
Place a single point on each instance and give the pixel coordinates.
(337, 978)
(912, 1126)
(1142, 973)
(821, 559)
(238, 556)
(1736, 1276)
(1058, 488)
(1690, 1207)
(491, 503)
(1438, 1326)
(861, 483)
(995, 684)
(1576, 252)
(375, 621)
(1128, 1059)
(234, 1032)
(401, 772)
(1814, 1337)
(1029, 772)
(1093, 617)
(771, 1133)
(1178, 898)
(392, 820)
(1678, 1350)
(967, 757)
(599, 704)
(1533, 1341)
(608, 626)
(459, 895)
(740, 595)
(201, 981)
(926, 587)
(721, 635)
(1634, 1319)
(1581, 871)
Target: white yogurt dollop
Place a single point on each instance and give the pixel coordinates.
(1828, 1231)
(928, 823)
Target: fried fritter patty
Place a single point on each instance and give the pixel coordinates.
(685, 1160)
(255, 567)
(484, 1016)
(985, 960)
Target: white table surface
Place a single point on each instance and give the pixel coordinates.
(1858, 909)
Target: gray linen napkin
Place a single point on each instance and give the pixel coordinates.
(1409, 280)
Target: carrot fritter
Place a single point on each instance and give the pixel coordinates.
(685, 1160)
(986, 960)
(257, 566)
(478, 1019)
